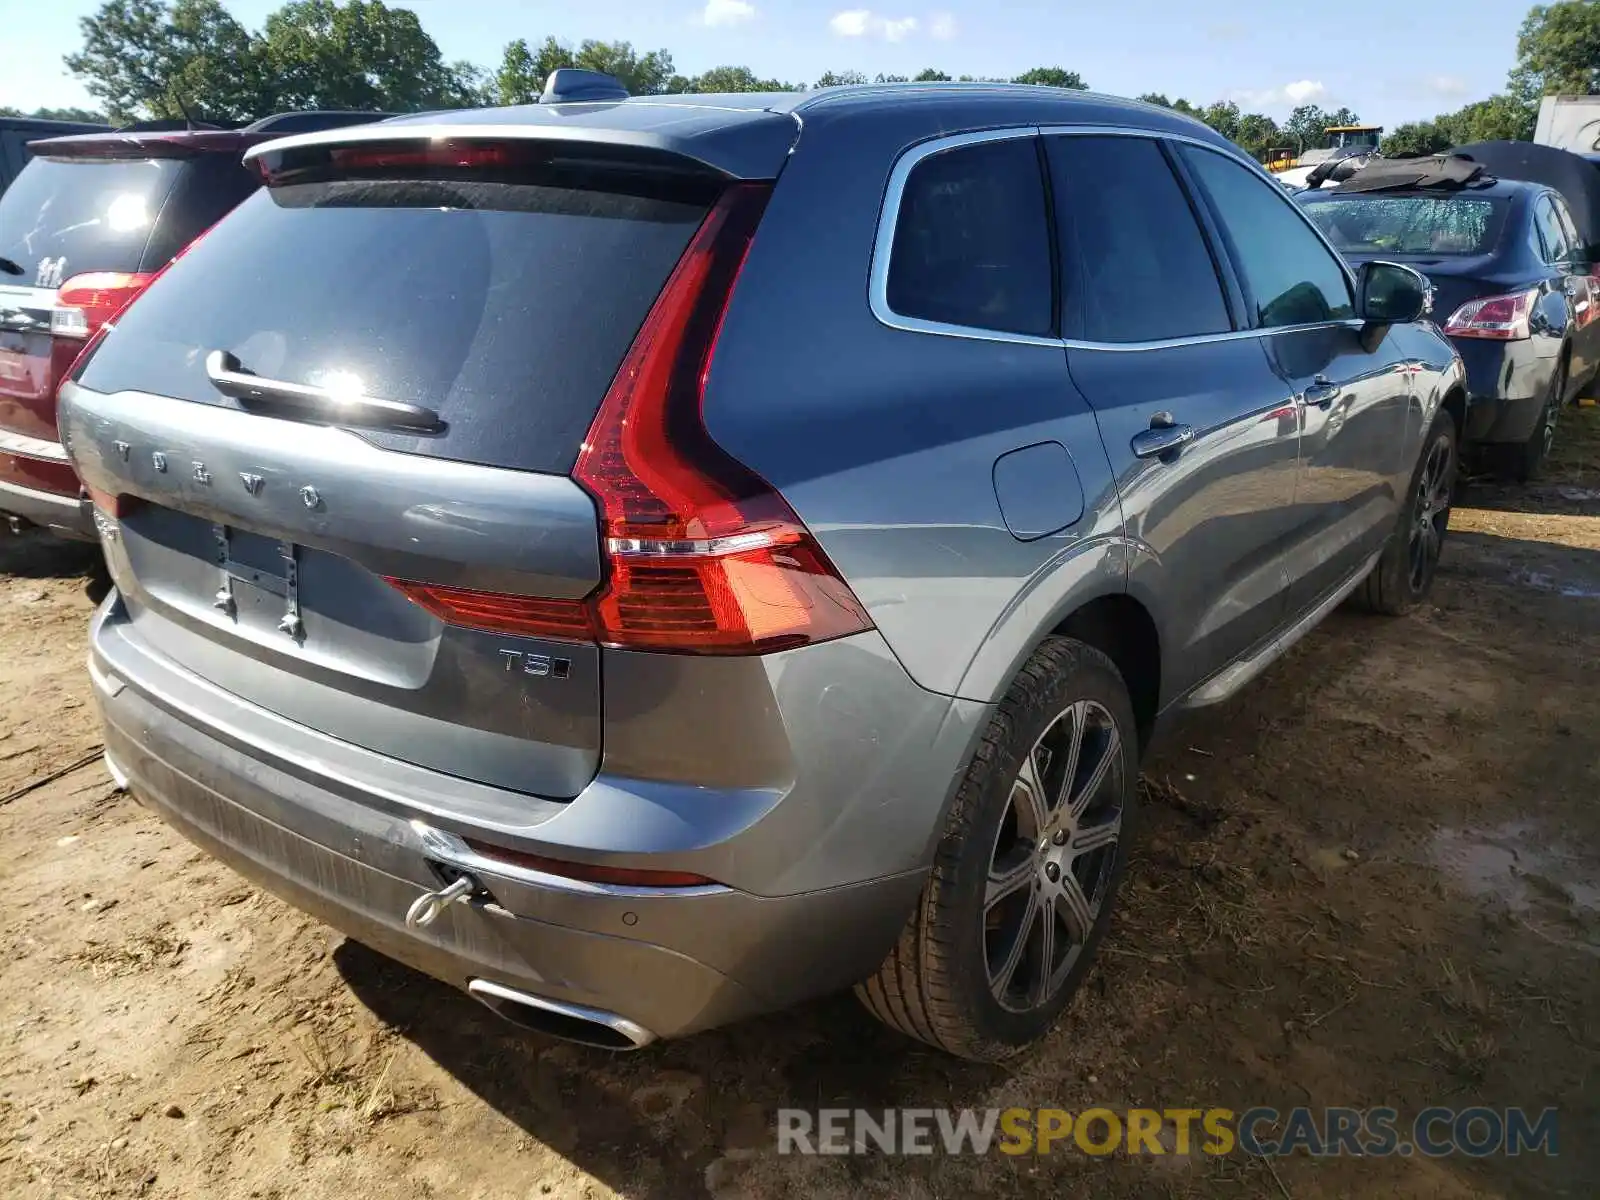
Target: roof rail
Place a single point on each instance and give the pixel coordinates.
(573, 85)
(307, 122)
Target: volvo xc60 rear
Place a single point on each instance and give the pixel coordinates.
(646, 567)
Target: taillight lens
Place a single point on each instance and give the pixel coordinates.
(527, 616)
(705, 557)
(1498, 318)
(87, 302)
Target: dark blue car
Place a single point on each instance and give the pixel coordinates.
(1513, 289)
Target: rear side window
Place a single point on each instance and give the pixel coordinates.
(1135, 267)
(505, 306)
(62, 217)
(971, 241)
(1552, 237)
(1291, 275)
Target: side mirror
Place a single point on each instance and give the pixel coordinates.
(1391, 294)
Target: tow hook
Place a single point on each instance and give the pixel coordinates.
(426, 908)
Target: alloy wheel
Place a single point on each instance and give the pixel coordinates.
(1432, 514)
(1054, 856)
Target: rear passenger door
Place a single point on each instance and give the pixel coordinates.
(1568, 259)
(1150, 316)
(1351, 384)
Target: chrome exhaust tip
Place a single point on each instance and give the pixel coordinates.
(571, 1022)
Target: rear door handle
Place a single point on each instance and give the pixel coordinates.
(1322, 392)
(1161, 439)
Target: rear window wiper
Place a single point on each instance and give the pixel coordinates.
(10, 267)
(230, 377)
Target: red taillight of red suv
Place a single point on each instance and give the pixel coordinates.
(703, 556)
(84, 306)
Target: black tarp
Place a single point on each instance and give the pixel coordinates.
(1430, 171)
(1577, 179)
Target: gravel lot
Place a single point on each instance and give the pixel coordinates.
(1374, 878)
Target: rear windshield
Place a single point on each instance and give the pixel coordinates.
(1430, 225)
(504, 306)
(61, 217)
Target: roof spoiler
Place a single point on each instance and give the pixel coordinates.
(573, 85)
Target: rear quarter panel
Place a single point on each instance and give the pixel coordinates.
(885, 441)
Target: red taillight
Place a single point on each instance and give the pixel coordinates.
(1498, 318)
(86, 302)
(704, 557)
(443, 153)
(527, 616)
(87, 306)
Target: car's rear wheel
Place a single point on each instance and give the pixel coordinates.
(1525, 459)
(1404, 574)
(1033, 852)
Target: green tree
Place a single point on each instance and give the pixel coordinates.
(1224, 117)
(1157, 98)
(1343, 116)
(642, 74)
(361, 54)
(1417, 137)
(86, 115)
(1558, 51)
(1498, 117)
(1305, 126)
(734, 79)
(1053, 77)
(882, 78)
(146, 58)
(521, 76)
(931, 76)
(1257, 134)
(839, 79)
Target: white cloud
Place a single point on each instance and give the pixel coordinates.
(1449, 86)
(852, 23)
(863, 22)
(1290, 95)
(943, 26)
(1303, 91)
(727, 12)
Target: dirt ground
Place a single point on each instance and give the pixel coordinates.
(1372, 879)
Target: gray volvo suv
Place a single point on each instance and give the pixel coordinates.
(650, 561)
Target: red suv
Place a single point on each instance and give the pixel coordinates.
(83, 229)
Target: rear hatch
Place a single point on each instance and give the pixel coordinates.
(366, 388)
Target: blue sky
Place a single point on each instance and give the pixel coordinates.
(1391, 60)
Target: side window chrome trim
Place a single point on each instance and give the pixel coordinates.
(889, 216)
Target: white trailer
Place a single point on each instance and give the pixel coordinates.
(1569, 123)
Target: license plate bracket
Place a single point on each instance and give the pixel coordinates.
(285, 583)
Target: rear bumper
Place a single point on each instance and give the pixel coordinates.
(66, 516)
(1508, 383)
(669, 961)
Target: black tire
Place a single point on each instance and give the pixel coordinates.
(1524, 460)
(1404, 575)
(939, 982)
